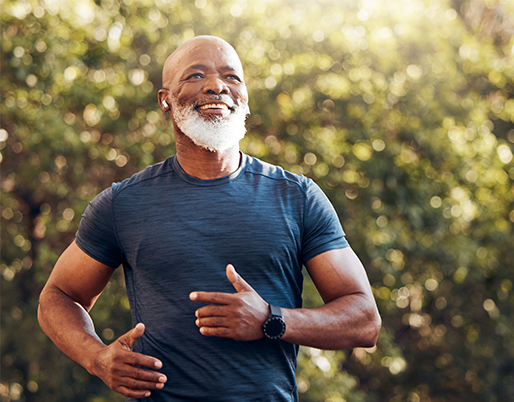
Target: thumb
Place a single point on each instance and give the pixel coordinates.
(131, 336)
(239, 283)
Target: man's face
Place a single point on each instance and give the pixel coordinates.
(208, 97)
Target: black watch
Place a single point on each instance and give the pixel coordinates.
(275, 326)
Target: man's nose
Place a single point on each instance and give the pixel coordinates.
(215, 85)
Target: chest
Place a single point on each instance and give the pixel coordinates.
(201, 230)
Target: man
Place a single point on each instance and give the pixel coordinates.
(212, 242)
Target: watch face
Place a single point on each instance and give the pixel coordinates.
(274, 328)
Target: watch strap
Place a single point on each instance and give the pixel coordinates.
(275, 310)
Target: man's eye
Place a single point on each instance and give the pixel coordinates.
(233, 77)
(195, 75)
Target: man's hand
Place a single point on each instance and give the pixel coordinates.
(71, 291)
(116, 366)
(232, 315)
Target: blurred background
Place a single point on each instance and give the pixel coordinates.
(401, 110)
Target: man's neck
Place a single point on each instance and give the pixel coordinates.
(202, 163)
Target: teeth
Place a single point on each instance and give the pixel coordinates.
(213, 106)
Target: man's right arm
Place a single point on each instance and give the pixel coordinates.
(71, 291)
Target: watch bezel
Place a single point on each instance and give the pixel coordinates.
(272, 319)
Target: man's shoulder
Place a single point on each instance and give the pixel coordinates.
(258, 167)
(150, 176)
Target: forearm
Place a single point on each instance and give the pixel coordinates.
(69, 326)
(347, 322)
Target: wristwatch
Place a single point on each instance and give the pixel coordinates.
(274, 326)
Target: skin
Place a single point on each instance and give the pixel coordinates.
(71, 291)
(197, 71)
(348, 319)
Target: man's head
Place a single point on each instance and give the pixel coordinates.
(204, 89)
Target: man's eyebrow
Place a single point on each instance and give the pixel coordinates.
(228, 68)
(196, 66)
(203, 66)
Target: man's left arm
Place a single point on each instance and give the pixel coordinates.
(349, 318)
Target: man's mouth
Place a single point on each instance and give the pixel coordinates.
(213, 106)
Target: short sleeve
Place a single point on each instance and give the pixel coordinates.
(96, 235)
(322, 230)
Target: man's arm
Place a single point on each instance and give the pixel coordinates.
(348, 319)
(71, 291)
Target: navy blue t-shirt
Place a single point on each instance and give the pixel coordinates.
(175, 234)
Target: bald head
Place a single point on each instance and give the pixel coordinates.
(198, 50)
(204, 91)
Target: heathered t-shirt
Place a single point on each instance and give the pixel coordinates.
(175, 234)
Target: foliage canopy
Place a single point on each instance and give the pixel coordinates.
(402, 110)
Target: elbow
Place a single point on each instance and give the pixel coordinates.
(374, 329)
(40, 318)
(41, 310)
(371, 329)
(48, 304)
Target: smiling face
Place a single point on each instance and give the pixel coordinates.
(204, 87)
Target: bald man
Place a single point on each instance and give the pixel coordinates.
(212, 243)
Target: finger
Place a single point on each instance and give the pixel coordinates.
(128, 339)
(137, 378)
(142, 360)
(237, 281)
(221, 332)
(211, 322)
(137, 393)
(133, 393)
(138, 359)
(134, 383)
(131, 381)
(211, 310)
(211, 297)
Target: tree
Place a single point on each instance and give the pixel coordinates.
(403, 112)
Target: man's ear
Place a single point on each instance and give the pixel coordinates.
(163, 103)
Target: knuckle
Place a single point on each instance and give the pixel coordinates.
(133, 375)
(215, 297)
(131, 383)
(239, 311)
(211, 332)
(137, 359)
(239, 335)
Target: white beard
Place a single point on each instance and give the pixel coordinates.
(216, 134)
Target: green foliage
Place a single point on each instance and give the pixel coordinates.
(403, 112)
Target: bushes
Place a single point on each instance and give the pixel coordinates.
(403, 113)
